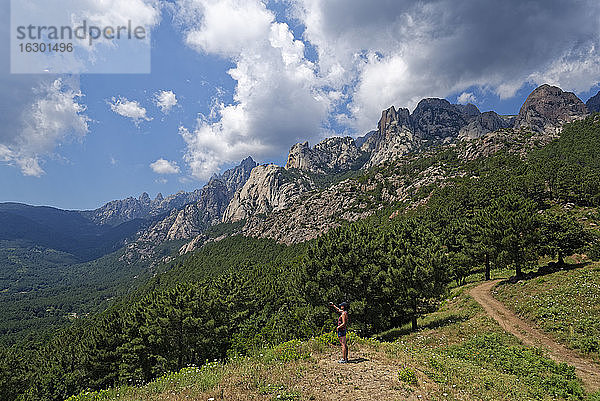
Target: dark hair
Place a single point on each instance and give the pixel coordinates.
(346, 305)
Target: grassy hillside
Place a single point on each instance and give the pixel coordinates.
(566, 304)
(460, 354)
(239, 294)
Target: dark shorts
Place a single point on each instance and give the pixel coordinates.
(341, 333)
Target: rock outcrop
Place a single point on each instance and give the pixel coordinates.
(481, 125)
(329, 156)
(436, 120)
(394, 137)
(547, 108)
(593, 103)
(192, 219)
(268, 188)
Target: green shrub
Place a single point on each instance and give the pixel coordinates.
(408, 376)
(542, 374)
(290, 351)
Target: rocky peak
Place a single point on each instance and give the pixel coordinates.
(394, 137)
(300, 156)
(481, 125)
(145, 199)
(437, 119)
(159, 198)
(236, 177)
(593, 103)
(393, 121)
(547, 108)
(331, 155)
(469, 110)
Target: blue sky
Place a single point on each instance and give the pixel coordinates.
(253, 78)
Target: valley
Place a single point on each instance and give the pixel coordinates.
(134, 299)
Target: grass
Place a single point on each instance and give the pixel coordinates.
(565, 304)
(474, 359)
(458, 354)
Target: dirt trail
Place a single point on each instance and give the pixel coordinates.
(586, 370)
(369, 376)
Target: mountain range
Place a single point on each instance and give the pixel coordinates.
(313, 192)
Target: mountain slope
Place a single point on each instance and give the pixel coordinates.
(459, 354)
(288, 204)
(62, 230)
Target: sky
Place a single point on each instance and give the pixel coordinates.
(235, 78)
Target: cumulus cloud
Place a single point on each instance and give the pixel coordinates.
(370, 55)
(277, 99)
(466, 97)
(399, 51)
(41, 112)
(165, 100)
(55, 116)
(130, 109)
(224, 27)
(162, 166)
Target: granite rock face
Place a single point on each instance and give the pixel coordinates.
(331, 155)
(437, 120)
(236, 177)
(394, 137)
(547, 108)
(593, 103)
(190, 220)
(268, 189)
(481, 125)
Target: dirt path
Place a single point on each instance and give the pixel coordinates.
(586, 370)
(369, 376)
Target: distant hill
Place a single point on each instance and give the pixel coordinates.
(66, 231)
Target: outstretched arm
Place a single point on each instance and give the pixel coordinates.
(338, 310)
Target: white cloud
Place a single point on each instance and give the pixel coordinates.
(161, 180)
(466, 97)
(42, 112)
(387, 52)
(55, 116)
(130, 109)
(224, 27)
(162, 166)
(278, 99)
(165, 100)
(370, 55)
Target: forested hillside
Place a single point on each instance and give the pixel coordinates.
(503, 211)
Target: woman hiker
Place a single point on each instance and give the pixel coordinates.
(342, 326)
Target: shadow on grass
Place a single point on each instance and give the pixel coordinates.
(394, 334)
(357, 360)
(550, 268)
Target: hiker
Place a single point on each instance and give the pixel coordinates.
(342, 327)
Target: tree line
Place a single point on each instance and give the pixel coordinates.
(241, 293)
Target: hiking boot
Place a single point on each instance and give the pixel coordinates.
(342, 361)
